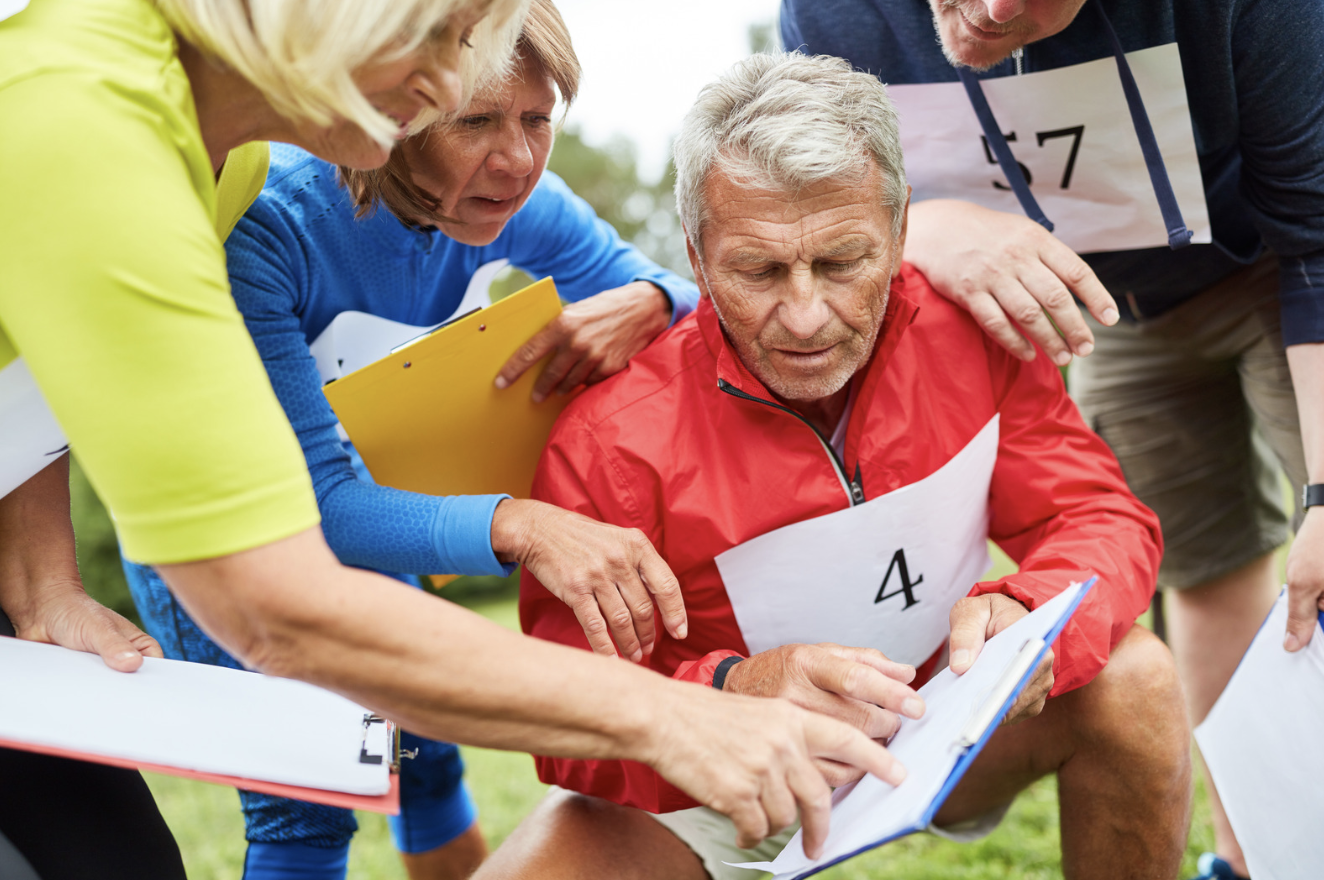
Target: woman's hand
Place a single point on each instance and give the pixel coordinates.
(593, 339)
(41, 590)
(609, 576)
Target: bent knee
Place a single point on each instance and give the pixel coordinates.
(1138, 695)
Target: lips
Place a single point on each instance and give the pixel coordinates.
(979, 32)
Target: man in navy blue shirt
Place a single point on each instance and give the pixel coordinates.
(1192, 386)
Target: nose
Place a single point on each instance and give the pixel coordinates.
(803, 311)
(1003, 11)
(512, 154)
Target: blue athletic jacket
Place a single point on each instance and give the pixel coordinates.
(298, 258)
(1254, 73)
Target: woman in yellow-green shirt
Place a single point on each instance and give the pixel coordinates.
(115, 117)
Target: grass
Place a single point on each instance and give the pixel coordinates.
(207, 823)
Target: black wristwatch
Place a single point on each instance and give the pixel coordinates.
(1312, 495)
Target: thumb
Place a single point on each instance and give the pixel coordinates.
(529, 354)
(969, 621)
(1302, 613)
(100, 635)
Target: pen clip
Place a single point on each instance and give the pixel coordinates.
(1006, 685)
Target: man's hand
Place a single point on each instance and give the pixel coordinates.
(603, 572)
(756, 760)
(593, 339)
(858, 686)
(977, 619)
(1305, 580)
(1008, 272)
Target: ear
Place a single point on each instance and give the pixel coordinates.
(695, 267)
(900, 243)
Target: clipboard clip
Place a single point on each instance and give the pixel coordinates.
(393, 734)
(1006, 685)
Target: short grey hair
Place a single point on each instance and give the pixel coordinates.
(786, 121)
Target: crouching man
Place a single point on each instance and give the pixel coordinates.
(819, 452)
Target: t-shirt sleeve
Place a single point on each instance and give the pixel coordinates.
(113, 288)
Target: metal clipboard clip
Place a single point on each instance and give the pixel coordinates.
(987, 714)
(397, 754)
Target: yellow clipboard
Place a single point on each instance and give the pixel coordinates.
(428, 418)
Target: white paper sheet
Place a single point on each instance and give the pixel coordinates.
(821, 580)
(1261, 742)
(872, 811)
(30, 437)
(1071, 130)
(189, 715)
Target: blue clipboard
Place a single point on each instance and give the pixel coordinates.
(972, 750)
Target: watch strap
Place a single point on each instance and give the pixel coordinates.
(1312, 495)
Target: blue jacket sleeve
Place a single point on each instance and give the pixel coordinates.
(366, 525)
(557, 233)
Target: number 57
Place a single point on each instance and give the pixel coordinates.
(1076, 132)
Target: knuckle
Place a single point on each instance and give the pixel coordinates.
(1077, 274)
(1029, 313)
(1057, 298)
(621, 618)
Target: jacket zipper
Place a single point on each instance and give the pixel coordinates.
(854, 488)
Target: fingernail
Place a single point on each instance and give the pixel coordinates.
(682, 631)
(637, 655)
(913, 707)
(501, 382)
(1292, 643)
(1062, 358)
(1109, 316)
(960, 659)
(126, 655)
(897, 774)
(1085, 349)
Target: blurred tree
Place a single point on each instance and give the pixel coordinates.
(764, 36)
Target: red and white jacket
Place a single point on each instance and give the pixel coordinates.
(674, 446)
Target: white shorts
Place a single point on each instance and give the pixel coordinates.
(712, 837)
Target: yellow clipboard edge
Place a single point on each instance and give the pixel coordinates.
(531, 297)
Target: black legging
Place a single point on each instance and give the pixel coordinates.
(72, 820)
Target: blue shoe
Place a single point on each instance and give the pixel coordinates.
(1211, 867)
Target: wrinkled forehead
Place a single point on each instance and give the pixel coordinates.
(750, 221)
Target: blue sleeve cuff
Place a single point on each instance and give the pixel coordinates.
(462, 535)
(684, 296)
(1301, 294)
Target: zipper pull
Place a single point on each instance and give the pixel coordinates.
(857, 487)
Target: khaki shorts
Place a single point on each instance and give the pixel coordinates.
(1198, 406)
(712, 837)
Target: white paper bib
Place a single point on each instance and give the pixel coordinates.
(883, 574)
(1071, 131)
(30, 437)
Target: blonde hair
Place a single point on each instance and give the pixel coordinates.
(544, 40)
(302, 55)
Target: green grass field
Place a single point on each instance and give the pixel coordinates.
(206, 819)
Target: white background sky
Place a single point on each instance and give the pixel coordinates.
(645, 60)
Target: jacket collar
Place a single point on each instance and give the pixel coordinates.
(901, 311)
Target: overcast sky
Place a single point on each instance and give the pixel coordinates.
(645, 60)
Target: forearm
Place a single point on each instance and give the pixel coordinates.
(36, 540)
(439, 670)
(1307, 365)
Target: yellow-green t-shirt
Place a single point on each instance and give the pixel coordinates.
(113, 287)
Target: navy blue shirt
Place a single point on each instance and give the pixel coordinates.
(1254, 72)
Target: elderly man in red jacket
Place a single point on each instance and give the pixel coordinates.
(820, 453)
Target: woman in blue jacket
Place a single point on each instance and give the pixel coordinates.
(462, 202)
